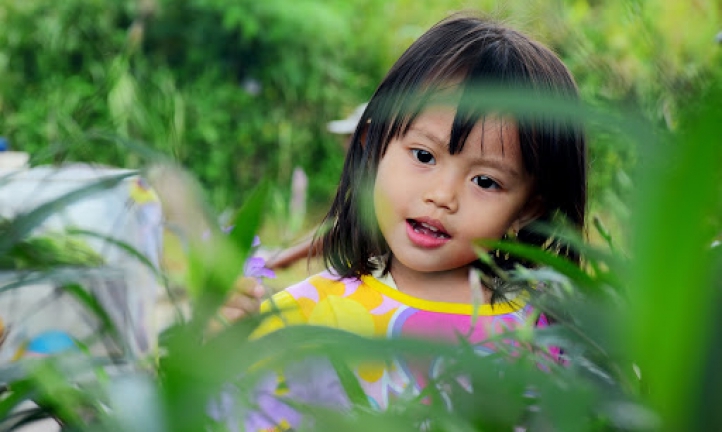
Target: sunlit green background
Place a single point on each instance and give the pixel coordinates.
(235, 89)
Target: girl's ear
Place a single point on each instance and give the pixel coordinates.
(533, 209)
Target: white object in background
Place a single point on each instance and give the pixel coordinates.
(128, 212)
(348, 125)
(13, 160)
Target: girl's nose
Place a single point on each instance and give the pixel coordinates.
(443, 193)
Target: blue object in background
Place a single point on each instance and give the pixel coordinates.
(50, 342)
(4, 144)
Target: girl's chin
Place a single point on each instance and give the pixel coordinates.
(431, 266)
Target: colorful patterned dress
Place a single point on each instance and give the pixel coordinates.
(372, 308)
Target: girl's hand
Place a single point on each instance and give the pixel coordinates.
(246, 299)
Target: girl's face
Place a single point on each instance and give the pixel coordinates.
(431, 205)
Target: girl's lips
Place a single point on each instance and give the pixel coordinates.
(426, 233)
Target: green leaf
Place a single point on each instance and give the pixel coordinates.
(216, 263)
(135, 253)
(539, 256)
(22, 224)
(18, 391)
(351, 386)
(90, 302)
(248, 219)
(672, 290)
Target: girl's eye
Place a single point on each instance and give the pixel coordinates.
(423, 156)
(485, 182)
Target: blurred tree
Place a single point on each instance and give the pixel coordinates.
(238, 89)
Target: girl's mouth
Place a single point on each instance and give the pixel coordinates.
(426, 233)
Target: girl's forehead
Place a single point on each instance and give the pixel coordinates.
(440, 119)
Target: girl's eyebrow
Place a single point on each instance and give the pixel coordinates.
(496, 163)
(444, 143)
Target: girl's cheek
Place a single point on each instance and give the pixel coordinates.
(383, 206)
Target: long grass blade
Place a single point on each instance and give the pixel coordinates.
(21, 225)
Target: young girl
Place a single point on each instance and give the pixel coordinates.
(427, 173)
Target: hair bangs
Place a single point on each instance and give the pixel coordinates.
(407, 104)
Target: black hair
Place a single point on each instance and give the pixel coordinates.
(464, 52)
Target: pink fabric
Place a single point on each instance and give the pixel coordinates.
(369, 308)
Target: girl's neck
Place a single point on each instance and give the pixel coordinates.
(450, 286)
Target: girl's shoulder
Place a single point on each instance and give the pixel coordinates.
(322, 299)
(295, 304)
(321, 284)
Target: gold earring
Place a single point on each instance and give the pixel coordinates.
(512, 233)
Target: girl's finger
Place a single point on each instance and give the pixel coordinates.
(258, 291)
(244, 284)
(244, 302)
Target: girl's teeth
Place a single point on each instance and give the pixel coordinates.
(421, 227)
(434, 229)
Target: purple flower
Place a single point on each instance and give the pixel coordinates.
(256, 267)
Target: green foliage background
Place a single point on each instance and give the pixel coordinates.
(235, 89)
(171, 74)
